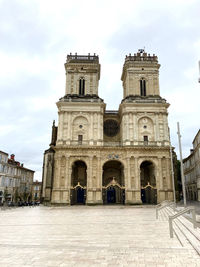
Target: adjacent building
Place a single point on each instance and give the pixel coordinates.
(100, 156)
(36, 191)
(15, 180)
(191, 166)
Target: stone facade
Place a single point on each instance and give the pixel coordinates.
(36, 190)
(98, 156)
(15, 180)
(191, 168)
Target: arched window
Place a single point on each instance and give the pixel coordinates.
(82, 86)
(142, 87)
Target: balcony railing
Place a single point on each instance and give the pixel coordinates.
(117, 143)
(78, 58)
(141, 57)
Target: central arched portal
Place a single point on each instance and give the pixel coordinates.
(148, 183)
(113, 183)
(78, 182)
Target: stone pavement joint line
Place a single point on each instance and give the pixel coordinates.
(89, 236)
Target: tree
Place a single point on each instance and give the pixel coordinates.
(5, 194)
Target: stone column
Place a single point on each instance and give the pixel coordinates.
(56, 173)
(89, 174)
(99, 182)
(56, 191)
(67, 172)
(123, 128)
(91, 130)
(137, 175)
(74, 80)
(128, 173)
(98, 127)
(169, 176)
(159, 182)
(137, 182)
(99, 173)
(129, 193)
(69, 128)
(130, 127)
(165, 126)
(65, 125)
(157, 135)
(60, 126)
(159, 178)
(89, 199)
(127, 84)
(127, 128)
(135, 126)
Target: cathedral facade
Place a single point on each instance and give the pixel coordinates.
(100, 156)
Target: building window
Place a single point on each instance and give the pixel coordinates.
(145, 139)
(142, 87)
(80, 139)
(82, 86)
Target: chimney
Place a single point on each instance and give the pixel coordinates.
(12, 157)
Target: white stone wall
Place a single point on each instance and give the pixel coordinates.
(74, 122)
(136, 119)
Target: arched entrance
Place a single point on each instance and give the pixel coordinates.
(78, 182)
(148, 183)
(113, 183)
(111, 195)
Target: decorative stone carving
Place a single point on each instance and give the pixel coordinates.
(113, 146)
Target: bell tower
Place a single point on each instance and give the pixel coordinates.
(82, 75)
(140, 75)
(143, 111)
(81, 109)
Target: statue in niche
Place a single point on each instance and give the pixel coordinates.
(49, 170)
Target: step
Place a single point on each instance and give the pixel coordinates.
(182, 226)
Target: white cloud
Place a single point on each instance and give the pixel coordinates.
(37, 35)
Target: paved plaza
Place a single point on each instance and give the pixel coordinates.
(89, 236)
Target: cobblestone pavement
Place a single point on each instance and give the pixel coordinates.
(89, 236)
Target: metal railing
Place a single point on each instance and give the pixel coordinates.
(161, 203)
(186, 210)
(160, 206)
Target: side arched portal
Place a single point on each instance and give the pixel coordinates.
(113, 183)
(148, 183)
(79, 182)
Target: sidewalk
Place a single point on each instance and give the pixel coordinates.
(90, 236)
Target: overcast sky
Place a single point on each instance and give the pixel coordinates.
(37, 35)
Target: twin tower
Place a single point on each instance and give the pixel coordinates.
(100, 156)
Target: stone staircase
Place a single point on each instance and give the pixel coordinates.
(183, 229)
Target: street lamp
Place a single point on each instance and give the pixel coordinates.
(181, 160)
